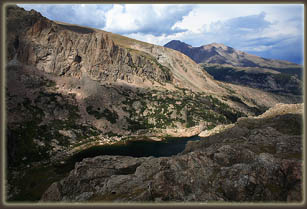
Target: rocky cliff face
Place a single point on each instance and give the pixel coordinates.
(257, 159)
(66, 50)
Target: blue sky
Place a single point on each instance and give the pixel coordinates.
(268, 30)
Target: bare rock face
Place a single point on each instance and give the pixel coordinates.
(243, 163)
(70, 50)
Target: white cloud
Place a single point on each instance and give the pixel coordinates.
(118, 19)
(152, 19)
(158, 40)
(92, 15)
(206, 14)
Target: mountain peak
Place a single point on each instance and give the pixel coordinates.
(177, 43)
(217, 53)
(216, 45)
(179, 46)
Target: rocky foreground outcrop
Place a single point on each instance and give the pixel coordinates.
(256, 160)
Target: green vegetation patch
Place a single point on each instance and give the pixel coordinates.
(21, 140)
(111, 116)
(165, 108)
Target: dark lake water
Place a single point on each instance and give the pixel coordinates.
(139, 148)
(37, 180)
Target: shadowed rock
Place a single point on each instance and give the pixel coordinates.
(243, 163)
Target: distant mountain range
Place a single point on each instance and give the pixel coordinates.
(227, 64)
(221, 54)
